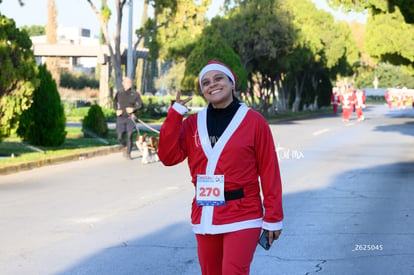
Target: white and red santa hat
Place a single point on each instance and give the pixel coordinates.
(213, 65)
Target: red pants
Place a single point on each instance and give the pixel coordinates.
(335, 108)
(359, 112)
(346, 113)
(229, 253)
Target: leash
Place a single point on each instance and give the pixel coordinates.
(136, 125)
(148, 126)
(145, 124)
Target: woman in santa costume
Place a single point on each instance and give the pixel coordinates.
(359, 104)
(389, 98)
(347, 102)
(335, 99)
(230, 149)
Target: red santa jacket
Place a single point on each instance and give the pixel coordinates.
(359, 100)
(348, 100)
(388, 96)
(334, 99)
(245, 154)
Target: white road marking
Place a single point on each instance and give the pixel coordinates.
(320, 132)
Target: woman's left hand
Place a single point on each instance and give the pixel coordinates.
(274, 235)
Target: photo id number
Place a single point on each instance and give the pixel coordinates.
(368, 247)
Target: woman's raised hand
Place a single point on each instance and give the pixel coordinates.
(182, 101)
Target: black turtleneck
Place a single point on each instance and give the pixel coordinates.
(219, 119)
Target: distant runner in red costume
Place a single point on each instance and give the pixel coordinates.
(335, 100)
(389, 98)
(347, 102)
(359, 104)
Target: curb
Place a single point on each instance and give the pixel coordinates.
(19, 167)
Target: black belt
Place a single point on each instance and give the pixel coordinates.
(234, 194)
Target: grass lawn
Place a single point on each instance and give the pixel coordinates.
(13, 150)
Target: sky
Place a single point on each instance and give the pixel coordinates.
(79, 14)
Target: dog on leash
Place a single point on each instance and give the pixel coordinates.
(148, 146)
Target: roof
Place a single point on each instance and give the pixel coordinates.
(71, 50)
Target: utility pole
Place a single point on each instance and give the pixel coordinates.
(130, 49)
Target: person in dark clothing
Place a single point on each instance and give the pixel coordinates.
(126, 103)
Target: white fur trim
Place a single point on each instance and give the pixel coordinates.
(181, 109)
(215, 67)
(273, 226)
(213, 154)
(230, 227)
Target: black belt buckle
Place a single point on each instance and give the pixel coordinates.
(234, 194)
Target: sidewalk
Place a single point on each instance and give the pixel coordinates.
(18, 167)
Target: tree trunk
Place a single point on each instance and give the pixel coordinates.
(138, 64)
(52, 63)
(283, 94)
(115, 55)
(274, 99)
(315, 86)
(299, 84)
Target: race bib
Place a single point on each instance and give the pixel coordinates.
(210, 190)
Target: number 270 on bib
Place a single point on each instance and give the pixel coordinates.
(210, 190)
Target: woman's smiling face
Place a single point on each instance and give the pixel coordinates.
(217, 88)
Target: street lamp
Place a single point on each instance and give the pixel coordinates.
(375, 80)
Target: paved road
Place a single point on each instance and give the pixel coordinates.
(348, 191)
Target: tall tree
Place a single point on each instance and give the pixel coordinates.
(261, 33)
(322, 46)
(17, 74)
(207, 48)
(114, 48)
(377, 6)
(389, 31)
(287, 47)
(52, 63)
(142, 33)
(104, 5)
(114, 45)
(183, 28)
(389, 38)
(175, 41)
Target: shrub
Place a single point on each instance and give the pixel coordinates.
(79, 112)
(44, 122)
(77, 81)
(95, 122)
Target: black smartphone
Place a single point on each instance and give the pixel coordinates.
(264, 239)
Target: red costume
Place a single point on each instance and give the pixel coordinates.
(399, 100)
(335, 101)
(347, 102)
(389, 98)
(241, 155)
(232, 160)
(404, 99)
(359, 104)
